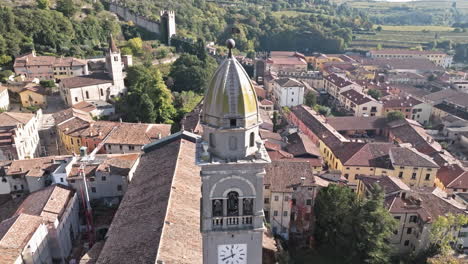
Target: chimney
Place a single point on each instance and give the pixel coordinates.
(159, 136)
(120, 120)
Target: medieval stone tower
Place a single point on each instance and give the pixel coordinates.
(167, 25)
(114, 67)
(232, 159)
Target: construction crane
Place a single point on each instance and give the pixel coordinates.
(84, 160)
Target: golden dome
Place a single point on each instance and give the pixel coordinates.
(230, 100)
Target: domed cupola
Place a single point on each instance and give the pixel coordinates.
(230, 115)
(230, 100)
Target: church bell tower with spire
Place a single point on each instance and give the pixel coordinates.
(232, 159)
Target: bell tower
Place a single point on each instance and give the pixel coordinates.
(114, 67)
(232, 159)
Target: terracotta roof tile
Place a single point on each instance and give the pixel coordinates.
(401, 102)
(357, 97)
(162, 198)
(11, 119)
(16, 231)
(402, 156)
(49, 203)
(343, 123)
(137, 133)
(300, 146)
(283, 175)
(86, 80)
(37, 167)
(337, 80)
(447, 174)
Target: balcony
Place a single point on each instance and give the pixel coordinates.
(227, 222)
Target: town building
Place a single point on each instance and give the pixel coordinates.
(343, 151)
(33, 95)
(76, 128)
(24, 240)
(406, 78)
(335, 85)
(20, 177)
(394, 65)
(414, 210)
(438, 57)
(96, 109)
(453, 179)
(461, 86)
(359, 104)
(313, 78)
(4, 98)
(288, 92)
(287, 61)
(97, 86)
(58, 206)
(130, 137)
(49, 67)
(19, 137)
(410, 107)
(107, 176)
(290, 189)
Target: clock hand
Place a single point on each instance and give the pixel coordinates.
(228, 257)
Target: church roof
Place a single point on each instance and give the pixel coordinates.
(230, 94)
(159, 214)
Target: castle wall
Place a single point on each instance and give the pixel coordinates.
(140, 21)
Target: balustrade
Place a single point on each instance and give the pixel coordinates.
(225, 222)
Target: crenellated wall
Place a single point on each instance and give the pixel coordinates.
(127, 15)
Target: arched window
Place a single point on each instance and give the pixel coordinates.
(102, 92)
(232, 143)
(217, 207)
(87, 95)
(247, 208)
(252, 139)
(212, 140)
(233, 204)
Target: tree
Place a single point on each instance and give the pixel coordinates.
(379, 28)
(4, 59)
(67, 7)
(310, 99)
(126, 51)
(444, 230)
(323, 110)
(395, 115)
(379, 46)
(192, 74)
(136, 44)
(143, 81)
(47, 83)
(43, 4)
(352, 228)
(275, 121)
(4, 75)
(376, 94)
(98, 6)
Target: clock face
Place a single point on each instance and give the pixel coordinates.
(232, 254)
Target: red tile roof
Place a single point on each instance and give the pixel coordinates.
(283, 175)
(357, 97)
(401, 102)
(447, 174)
(406, 52)
(337, 80)
(86, 80)
(165, 195)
